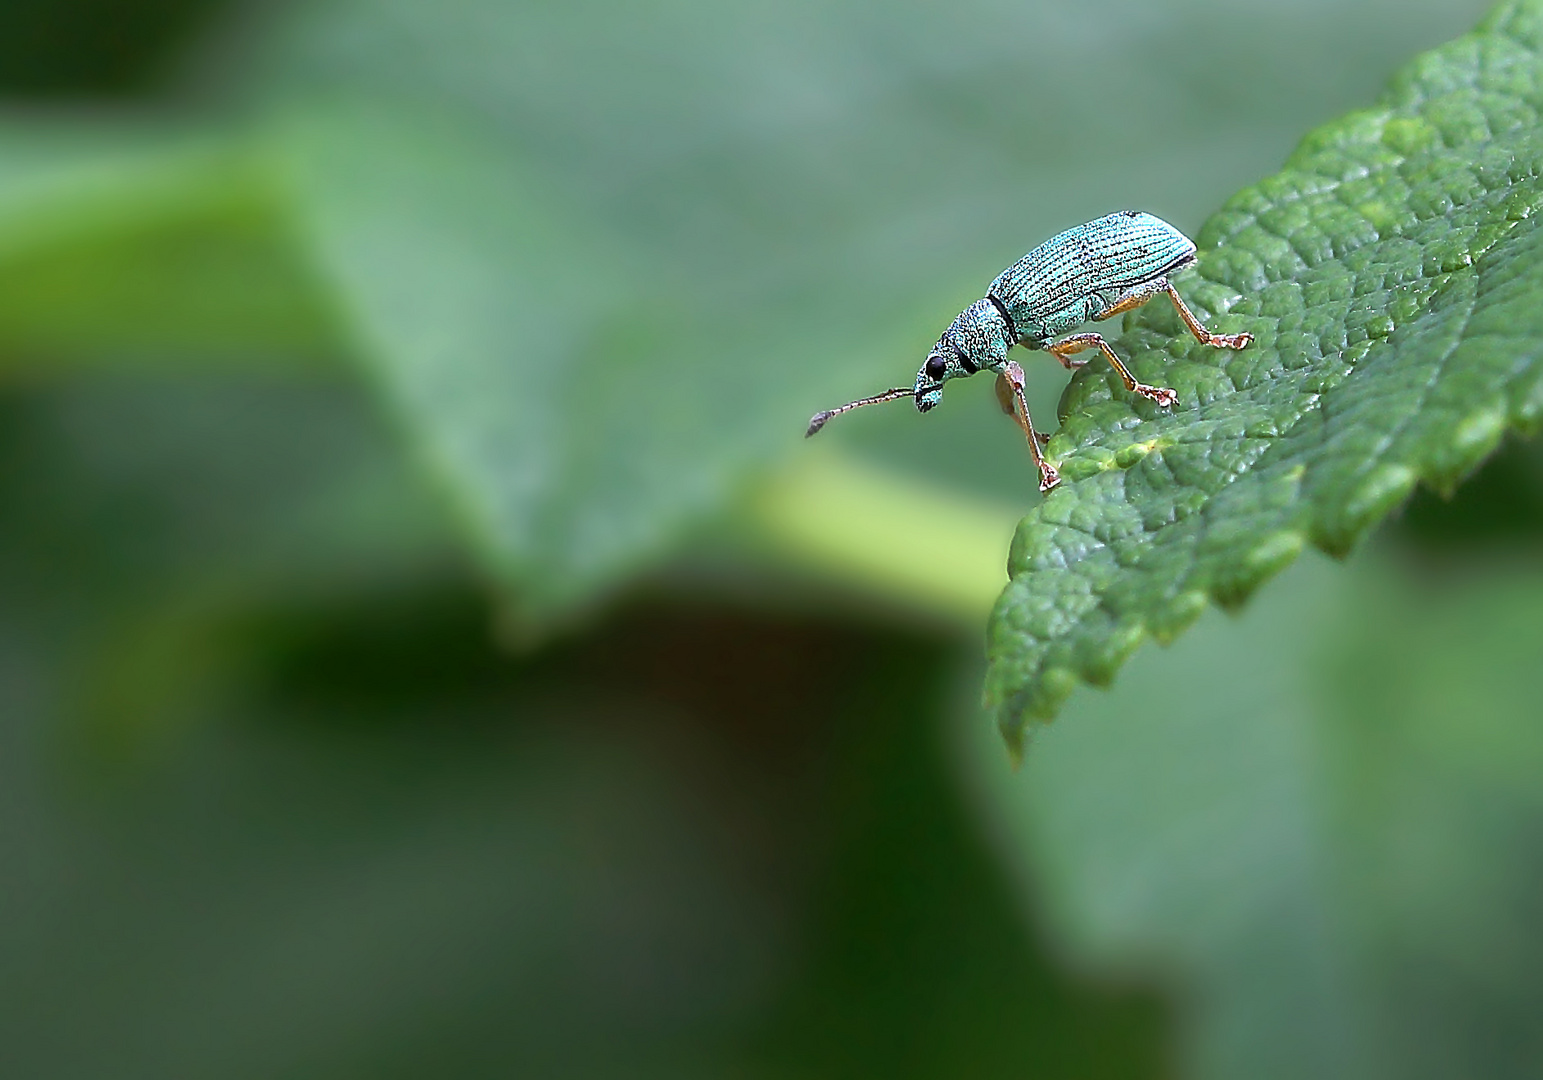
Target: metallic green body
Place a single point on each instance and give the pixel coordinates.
(1075, 277)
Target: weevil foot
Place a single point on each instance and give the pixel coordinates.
(1231, 341)
(1165, 396)
(1044, 438)
(1048, 477)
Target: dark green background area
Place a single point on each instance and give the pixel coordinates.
(393, 681)
(322, 826)
(93, 48)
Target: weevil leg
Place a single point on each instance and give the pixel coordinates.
(1005, 396)
(1009, 403)
(1010, 386)
(1196, 327)
(1132, 299)
(1077, 342)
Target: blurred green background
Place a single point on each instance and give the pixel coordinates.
(427, 647)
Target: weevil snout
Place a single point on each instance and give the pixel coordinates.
(929, 381)
(978, 338)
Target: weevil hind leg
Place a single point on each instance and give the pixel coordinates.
(1196, 327)
(1132, 299)
(1163, 395)
(1010, 394)
(1139, 295)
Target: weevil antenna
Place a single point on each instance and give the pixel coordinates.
(817, 421)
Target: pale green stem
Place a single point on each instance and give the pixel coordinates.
(907, 541)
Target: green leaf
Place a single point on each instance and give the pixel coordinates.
(1392, 275)
(147, 519)
(136, 242)
(490, 319)
(1316, 823)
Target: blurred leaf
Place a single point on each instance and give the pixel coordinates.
(1393, 277)
(540, 367)
(113, 488)
(132, 243)
(1317, 821)
(145, 521)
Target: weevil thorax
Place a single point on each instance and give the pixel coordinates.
(977, 339)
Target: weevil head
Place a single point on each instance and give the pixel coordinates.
(976, 339)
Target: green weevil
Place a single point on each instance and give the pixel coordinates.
(1092, 272)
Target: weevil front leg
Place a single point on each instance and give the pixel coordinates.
(1009, 393)
(1196, 327)
(1006, 399)
(1163, 395)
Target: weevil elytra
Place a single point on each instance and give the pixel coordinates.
(1092, 272)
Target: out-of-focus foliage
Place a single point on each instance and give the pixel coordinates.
(1392, 276)
(87, 48)
(129, 244)
(377, 845)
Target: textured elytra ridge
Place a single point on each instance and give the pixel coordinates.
(1392, 275)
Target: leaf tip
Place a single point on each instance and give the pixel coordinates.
(1379, 491)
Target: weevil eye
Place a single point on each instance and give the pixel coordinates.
(936, 366)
